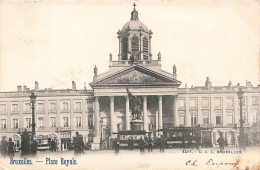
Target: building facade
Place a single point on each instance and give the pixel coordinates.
(98, 114)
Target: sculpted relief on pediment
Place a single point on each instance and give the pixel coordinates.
(134, 77)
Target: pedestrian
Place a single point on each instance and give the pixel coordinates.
(53, 149)
(162, 144)
(25, 147)
(150, 145)
(10, 148)
(78, 144)
(221, 142)
(130, 143)
(142, 144)
(116, 146)
(3, 146)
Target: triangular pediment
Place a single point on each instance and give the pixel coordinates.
(135, 75)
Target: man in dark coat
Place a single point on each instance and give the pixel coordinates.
(10, 148)
(3, 146)
(162, 143)
(130, 143)
(221, 142)
(25, 147)
(142, 145)
(78, 144)
(116, 146)
(150, 145)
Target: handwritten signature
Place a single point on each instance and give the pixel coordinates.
(211, 162)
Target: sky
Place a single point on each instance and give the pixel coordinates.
(57, 42)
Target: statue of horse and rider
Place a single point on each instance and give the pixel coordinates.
(136, 105)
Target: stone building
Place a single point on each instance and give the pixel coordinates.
(99, 113)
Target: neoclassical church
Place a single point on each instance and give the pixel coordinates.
(99, 113)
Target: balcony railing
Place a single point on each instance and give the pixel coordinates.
(129, 62)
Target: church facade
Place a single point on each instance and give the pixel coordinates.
(99, 113)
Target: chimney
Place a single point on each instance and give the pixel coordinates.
(24, 88)
(174, 71)
(36, 87)
(207, 83)
(249, 84)
(229, 83)
(19, 88)
(73, 85)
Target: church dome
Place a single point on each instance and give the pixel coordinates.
(134, 23)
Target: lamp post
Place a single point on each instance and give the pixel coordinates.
(33, 101)
(240, 95)
(101, 129)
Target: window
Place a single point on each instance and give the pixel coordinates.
(255, 101)
(145, 48)
(218, 119)
(77, 105)
(3, 107)
(193, 103)
(40, 122)
(205, 102)
(40, 106)
(254, 116)
(65, 121)
(217, 102)
(205, 119)
(124, 48)
(90, 122)
(28, 122)
(52, 106)
(3, 123)
(27, 107)
(135, 43)
(78, 121)
(90, 105)
(182, 119)
(229, 119)
(229, 102)
(15, 123)
(182, 103)
(193, 119)
(53, 121)
(14, 107)
(65, 106)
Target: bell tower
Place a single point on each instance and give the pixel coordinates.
(134, 40)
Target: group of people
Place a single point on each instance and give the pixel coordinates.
(142, 144)
(7, 148)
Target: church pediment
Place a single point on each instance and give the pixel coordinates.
(135, 75)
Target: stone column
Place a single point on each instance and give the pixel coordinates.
(96, 118)
(112, 104)
(160, 112)
(145, 113)
(127, 114)
(175, 112)
(119, 55)
(199, 113)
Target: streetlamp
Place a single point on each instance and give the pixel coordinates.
(33, 101)
(241, 139)
(101, 129)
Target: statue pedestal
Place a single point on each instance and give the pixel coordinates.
(136, 125)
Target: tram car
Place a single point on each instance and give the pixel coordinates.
(183, 137)
(130, 139)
